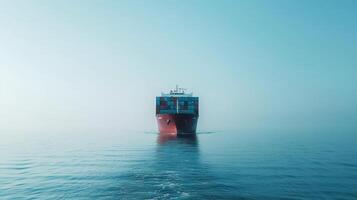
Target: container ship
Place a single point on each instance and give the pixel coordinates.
(177, 112)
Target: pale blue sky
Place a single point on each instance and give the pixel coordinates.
(76, 66)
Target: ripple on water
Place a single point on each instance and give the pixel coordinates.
(211, 166)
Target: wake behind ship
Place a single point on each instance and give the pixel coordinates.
(177, 112)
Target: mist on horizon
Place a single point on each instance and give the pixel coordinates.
(73, 67)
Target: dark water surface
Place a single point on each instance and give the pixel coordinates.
(216, 165)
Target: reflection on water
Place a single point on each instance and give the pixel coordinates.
(171, 173)
(192, 139)
(165, 137)
(176, 172)
(177, 154)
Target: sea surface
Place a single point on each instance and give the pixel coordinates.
(244, 164)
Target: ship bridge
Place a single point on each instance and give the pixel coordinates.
(177, 92)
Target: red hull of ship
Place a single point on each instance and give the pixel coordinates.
(177, 123)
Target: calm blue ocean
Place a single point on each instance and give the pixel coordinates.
(246, 164)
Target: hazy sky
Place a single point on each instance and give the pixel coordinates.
(76, 66)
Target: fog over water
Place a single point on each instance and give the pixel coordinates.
(276, 81)
(97, 66)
